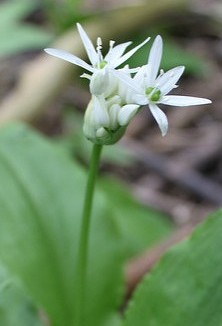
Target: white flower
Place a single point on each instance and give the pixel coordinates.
(100, 65)
(147, 88)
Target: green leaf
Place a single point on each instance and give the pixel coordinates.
(64, 14)
(41, 202)
(15, 307)
(185, 288)
(19, 38)
(15, 35)
(115, 320)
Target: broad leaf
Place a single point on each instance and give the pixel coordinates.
(15, 307)
(41, 201)
(185, 288)
(115, 320)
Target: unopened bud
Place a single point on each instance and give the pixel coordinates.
(96, 117)
(105, 121)
(99, 82)
(126, 113)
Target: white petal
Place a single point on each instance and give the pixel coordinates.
(140, 99)
(130, 53)
(91, 52)
(154, 60)
(125, 78)
(128, 70)
(70, 58)
(124, 92)
(168, 80)
(116, 52)
(160, 118)
(184, 100)
(87, 76)
(134, 70)
(99, 82)
(100, 117)
(116, 99)
(126, 113)
(113, 113)
(139, 78)
(101, 132)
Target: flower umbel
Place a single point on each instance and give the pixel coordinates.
(117, 94)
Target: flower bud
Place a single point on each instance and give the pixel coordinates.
(99, 82)
(126, 113)
(96, 117)
(105, 121)
(113, 114)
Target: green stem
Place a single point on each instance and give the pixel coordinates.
(84, 236)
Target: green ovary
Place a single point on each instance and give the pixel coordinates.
(154, 94)
(102, 64)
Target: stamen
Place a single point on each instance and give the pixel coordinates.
(99, 43)
(111, 44)
(99, 48)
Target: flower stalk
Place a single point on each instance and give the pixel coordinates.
(117, 94)
(81, 270)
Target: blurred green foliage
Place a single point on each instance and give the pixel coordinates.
(15, 34)
(15, 307)
(41, 204)
(185, 287)
(63, 14)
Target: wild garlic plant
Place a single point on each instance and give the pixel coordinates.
(117, 94)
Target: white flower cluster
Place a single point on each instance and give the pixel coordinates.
(117, 94)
